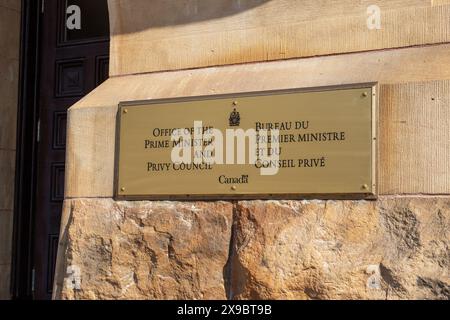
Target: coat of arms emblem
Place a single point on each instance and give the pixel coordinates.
(235, 118)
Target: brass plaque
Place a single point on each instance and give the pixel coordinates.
(324, 145)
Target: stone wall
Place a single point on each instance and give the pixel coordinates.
(395, 247)
(9, 74)
(238, 31)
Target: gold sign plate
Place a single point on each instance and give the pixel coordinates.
(327, 145)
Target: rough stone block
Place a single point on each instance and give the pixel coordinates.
(394, 248)
(144, 250)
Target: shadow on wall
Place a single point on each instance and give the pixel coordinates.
(172, 12)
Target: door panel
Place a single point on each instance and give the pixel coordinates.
(72, 64)
(95, 24)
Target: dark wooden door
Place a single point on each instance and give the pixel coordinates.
(74, 60)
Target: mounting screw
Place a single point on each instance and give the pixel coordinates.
(365, 186)
(233, 188)
(125, 110)
(365, 94)
(235, 103)
(122, 189)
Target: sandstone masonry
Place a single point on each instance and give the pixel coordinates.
(393, 248)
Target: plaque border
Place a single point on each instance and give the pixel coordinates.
(267, 196)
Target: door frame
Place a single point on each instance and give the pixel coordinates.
(26, 214)
(22, 277)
